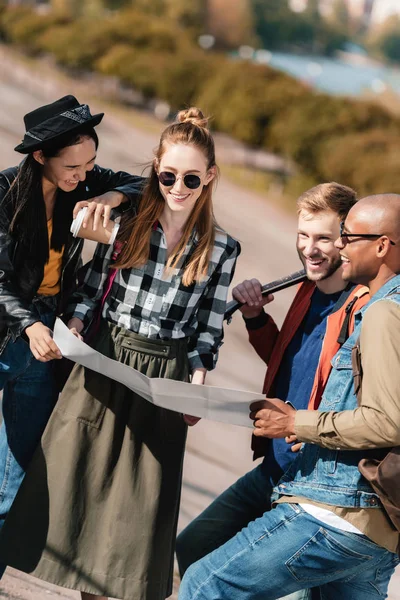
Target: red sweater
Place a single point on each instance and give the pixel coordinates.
(270, 343)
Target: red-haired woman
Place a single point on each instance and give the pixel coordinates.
(99, 506)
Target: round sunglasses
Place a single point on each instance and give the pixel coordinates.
(168, 180)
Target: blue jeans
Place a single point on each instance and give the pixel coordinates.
(243, 502)
(29, 396)
(287, 550)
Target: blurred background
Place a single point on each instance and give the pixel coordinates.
(312, 86)
(299, 92)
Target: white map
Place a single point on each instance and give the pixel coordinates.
(206, 401)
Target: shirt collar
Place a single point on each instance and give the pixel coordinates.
(391, 286)
(194, 238)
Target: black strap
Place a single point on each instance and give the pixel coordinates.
(344, 331)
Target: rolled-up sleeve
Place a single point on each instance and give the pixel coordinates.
(376, 422)
(210, 317)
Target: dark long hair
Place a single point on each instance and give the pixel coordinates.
(29, 224)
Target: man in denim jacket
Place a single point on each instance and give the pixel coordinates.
(328, 528)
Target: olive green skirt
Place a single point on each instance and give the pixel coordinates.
(97, 511)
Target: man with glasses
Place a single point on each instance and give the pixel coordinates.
(347, 237)
(303, 541)
(298, 358)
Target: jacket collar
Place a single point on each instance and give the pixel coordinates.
(388, 288)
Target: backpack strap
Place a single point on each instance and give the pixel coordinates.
(344, 331)
(357, 369)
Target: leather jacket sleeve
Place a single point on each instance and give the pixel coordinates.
(14, 310)
(106, 180)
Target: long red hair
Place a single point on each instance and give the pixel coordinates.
(191, 129)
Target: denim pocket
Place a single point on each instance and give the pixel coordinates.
(322, 555)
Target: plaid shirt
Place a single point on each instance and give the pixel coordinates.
(156, 304)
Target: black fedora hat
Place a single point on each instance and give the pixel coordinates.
(52, 121)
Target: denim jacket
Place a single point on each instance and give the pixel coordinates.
(332, 476)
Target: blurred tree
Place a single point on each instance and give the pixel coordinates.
(93, 8)
(230, 22)
(191, 15)
(374, 171)
(271, 17)
(312, 11)
(70, 8)
(391, 46)
(24, 27)
(385, 40)
(327, 137)
(300, 130)
(340, 17)
(278, 27)
(248, 121)
(152, 7)
(116, 4)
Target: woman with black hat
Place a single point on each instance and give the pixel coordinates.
(38, 264)
(98, 509)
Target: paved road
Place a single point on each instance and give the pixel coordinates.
(216, 455)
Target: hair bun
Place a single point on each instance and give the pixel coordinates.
(193, 115)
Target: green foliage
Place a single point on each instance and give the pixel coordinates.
(117, 62)
(391, 46)
(190, 15)
(148, 47)
(278, 27)
(384, 41)
(231, 23)
(302, 130)
(245, 98)
(367, 161)
(79, 45)
(21, 26)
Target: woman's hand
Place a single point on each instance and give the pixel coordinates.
(100, 207)
(41, 342)
(75, 326)
(198, 377)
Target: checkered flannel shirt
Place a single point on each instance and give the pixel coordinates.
(155, 303)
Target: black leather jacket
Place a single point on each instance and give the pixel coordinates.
(19, 277)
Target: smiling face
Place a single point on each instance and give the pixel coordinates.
(359, 256)
(371, 249)
(316, 236)
(182, 160)
(70, 166)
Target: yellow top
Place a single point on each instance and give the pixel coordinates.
(50, 285)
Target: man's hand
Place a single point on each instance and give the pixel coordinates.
(100, 206)
(292, 439)
(75, 326)
(41, 342)
(249, 294)
(272, 418)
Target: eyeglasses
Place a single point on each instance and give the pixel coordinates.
(345, 237)
(168, 179)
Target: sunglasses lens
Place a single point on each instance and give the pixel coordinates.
(192, 181)
(166, 178)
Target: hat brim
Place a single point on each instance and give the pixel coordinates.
(27, 148)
